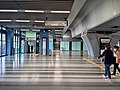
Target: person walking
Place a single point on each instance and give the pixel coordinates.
(108, 56)
(116, 65)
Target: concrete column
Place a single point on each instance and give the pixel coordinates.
(114, 40)
(44, 34)
(88, 45)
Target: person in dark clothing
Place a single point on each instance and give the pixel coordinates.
(28, 48)
(108, 56)
(32, 49)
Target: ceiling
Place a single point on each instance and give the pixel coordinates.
(45, 5)
(110, 27)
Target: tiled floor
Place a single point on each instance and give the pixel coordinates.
(58, 72)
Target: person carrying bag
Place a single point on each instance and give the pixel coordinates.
(116, 65)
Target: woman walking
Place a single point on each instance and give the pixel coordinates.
(116, 65)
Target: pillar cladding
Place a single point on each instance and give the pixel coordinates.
(88, 44)
(44, 33)
(114, 40)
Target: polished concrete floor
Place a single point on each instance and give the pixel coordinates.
(62, 71)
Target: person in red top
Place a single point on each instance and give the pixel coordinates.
(116, 65)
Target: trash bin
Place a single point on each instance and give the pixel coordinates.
(50, 52)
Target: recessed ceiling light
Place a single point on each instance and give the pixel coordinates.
(36, 30)
(35, 11)
(64, 36)
(8, 10)
(5, 20)
(24, 29)
(22, 20)
(58, 30)
(39, 21)
(60, 11)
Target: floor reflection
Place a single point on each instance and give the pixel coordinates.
(11, 63)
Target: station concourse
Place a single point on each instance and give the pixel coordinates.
(54, 44)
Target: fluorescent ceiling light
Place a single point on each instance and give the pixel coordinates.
(60, 11)
(36, 30)
(22, 20)
(5, 20)
(58, 30)
(8, 10)
(24, 29)
(64, 36)
(35, 11)
(39, 21)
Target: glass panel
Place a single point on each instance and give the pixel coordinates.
(0, 48)
(76, 45)
(3, 48)
(64, 45)
(13, 44)
(0, 44)
(22, 46)
(3, 37)
(44, 46)
(14, 39)
(16, 47)
(0, 36)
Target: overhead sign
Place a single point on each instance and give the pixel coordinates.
(55, 23)
(30, 34)
(105, 40)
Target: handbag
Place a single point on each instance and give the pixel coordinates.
(118, 60)
(113, 60)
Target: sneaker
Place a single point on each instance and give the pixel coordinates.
(109, 80)
(104, 76)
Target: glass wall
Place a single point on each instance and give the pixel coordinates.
(22, 46)
(64, 45)
(76, 45)
(16, 42)
(22, 42)
(2, 44)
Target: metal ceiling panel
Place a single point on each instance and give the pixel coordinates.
(47, 5)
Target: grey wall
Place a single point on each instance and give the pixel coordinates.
(104, 11)
(91, 40)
